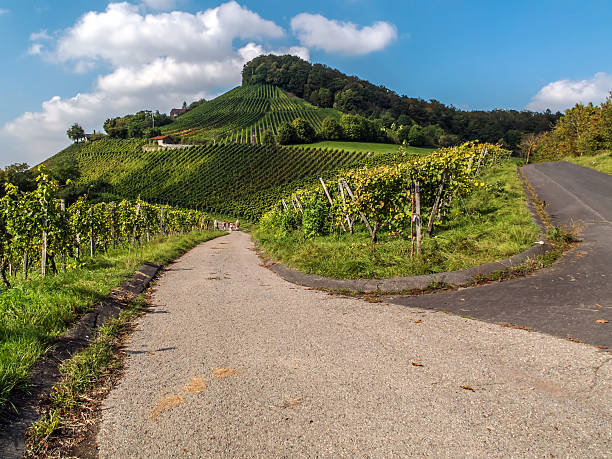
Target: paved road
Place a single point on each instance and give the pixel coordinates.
(232, 361)
(568, 299)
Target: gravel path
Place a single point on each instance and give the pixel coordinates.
(233, 361)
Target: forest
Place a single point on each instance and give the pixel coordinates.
(326, 87)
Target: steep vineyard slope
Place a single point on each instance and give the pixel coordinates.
(237, 179)
(243, 114)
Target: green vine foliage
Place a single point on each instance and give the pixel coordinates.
(28, 219)
(384, 194)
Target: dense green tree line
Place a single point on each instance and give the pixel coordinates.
(327, 87)
(143, 124)
(582, 130)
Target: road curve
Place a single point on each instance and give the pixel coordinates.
(570, 299)
(233, 361)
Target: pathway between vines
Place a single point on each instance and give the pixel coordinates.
(234, 361)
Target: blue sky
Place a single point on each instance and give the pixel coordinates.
(119, 58)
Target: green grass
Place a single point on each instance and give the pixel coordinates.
(489, 225)
(34, 314)
(367, 147)
(601, 162)
(81, 374)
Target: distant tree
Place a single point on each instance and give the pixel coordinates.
(286, 134)
(152, 132)
(528, 145)
(416, 137)
(448, 140)
(432, 134)
(304, 131)
(331, 129)
(403, 133)
(20, 175)
(268, 137)
(76, 132)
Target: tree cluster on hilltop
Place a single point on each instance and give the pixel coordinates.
(582, 130)
(327, 87)
(143, 124)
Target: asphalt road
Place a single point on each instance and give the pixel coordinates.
(233, 361)
(570, 298)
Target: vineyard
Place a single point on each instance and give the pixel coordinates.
(407, 198)
(243, 114)
(234, 179)
(37, 231)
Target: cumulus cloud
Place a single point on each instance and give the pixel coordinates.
(316, 31)
(156, 61)
(563, 94)
(159, 4)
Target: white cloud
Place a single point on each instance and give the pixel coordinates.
(35, 49)
(563, 94)
(156, 61)
(159, 4)
(41, 35)
(316, 31)
(4, 11)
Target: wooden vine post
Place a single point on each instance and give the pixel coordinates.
(63, 210)
(412, 225)
(92, 248)
(348, 219)
(361, 214)
(417, 199)
(43, 256)
(331, 202)
(435, 206)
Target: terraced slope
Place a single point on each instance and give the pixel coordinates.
(236, 179)
(243, 114)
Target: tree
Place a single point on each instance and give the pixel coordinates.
(76, 132)
(331, 129)
(304, 131)
(286, 134)
(416, 136)
(268, 137)
(528, 144)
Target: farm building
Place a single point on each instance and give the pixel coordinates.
(163, 140)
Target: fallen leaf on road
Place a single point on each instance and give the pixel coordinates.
(292, 403)
(602, 347)
(418, 321)
(195, 386)
(417, 364)
(467, 388)
(225, 372)
(167, 403)
(601, 321)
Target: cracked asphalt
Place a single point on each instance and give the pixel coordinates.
(233, 361)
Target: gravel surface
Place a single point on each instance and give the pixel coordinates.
(234, 361)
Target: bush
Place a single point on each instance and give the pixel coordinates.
(286, 134)
(304, 131)
(315, 220)
(331, 129)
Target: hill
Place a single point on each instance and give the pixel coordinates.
(326, 87)
(226, 178)
(243, 114)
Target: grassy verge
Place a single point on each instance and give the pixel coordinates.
(35, 313)
(366, 147)
(82, 375)
(489, 225)
(601, 162)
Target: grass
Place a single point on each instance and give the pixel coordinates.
(34, 314)
(601, 162)
(365, 147)
(81, 374)
(489, 225)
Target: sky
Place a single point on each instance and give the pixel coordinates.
(83, 62)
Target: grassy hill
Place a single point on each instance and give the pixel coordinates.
(226, 178)
(243, 114)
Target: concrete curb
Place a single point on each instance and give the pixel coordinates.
(16, 420)
(463, 277)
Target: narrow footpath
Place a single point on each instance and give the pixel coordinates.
(233, 361)
(572, 298)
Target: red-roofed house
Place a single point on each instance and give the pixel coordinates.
(163, 140)
(177, 111)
